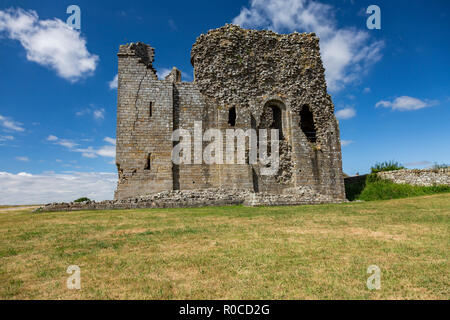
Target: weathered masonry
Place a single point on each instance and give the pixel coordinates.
(243, 79)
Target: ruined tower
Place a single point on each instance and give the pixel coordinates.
(244, 79)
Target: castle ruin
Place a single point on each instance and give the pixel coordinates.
(243, 79)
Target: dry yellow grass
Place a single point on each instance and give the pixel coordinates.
(308, 252)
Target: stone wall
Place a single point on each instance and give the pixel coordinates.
(255, 70)
(196, 198)
(144, 125)
(425, 177)
(271, 81)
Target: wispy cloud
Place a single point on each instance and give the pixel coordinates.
(418, 164)
(172, 25)
(108, 151)
(114, 83)
(162, 73)
(97, 113)
(346, 143)
(52, 138)
(23, 159)
(6, 138)
(62, 142)
(110, 140)
(406, 103)
(10, 125)
(50, 43)
(346, 52)
(25, 188)
(346, 113)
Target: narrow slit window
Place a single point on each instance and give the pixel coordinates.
(148, 162)
(232, 116)
(150, 109)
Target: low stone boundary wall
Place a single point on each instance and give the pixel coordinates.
(267, 200)
(424, 177)
(197, 198)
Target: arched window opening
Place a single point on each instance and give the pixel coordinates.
(232, 116)
(277, 122)
(307, 124)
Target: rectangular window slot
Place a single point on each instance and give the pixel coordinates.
(150, 109)
(148, 162)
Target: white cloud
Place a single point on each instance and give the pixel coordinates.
(346, 52)
(23, 159)
(6, 138)
(162, 73)
(406, 103)
(108, 151)
(346, 113)
(10, 125)
(25, 188)
(110, 140)
(87, 153)
(67, 143)
(52, 138)
(51, 43)
(346, 143)
(62, 142)
(99, 114)
(367, 90)
(113, 84)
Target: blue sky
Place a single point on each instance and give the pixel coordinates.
(57, 103)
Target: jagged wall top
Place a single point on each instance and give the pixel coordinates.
(234, 65)
(138, 49)
(144, 52)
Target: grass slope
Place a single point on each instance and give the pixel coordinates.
(374, 188)
(307, 252)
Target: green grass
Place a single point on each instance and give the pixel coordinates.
(385, 190)
(373, 188)
(305, 252)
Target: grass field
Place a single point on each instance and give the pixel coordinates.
(307, 252)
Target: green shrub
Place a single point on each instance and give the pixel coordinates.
(83, 200)
(387, 166)
(378, 189)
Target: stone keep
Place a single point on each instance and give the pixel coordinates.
(244, 79)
